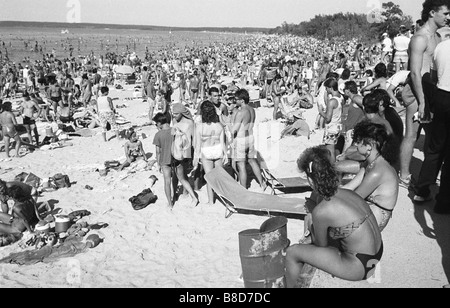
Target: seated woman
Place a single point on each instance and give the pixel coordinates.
(24, 214)
(377, 180)
(341, 215)
(209, 143)
(133, 149)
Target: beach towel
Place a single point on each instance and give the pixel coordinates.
(242, 199)
(47, 254)
(28, 178)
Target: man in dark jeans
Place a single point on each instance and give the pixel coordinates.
(439, 146)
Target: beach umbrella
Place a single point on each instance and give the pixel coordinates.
(125, 69)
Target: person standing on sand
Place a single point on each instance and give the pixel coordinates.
(107, 113)
(28, 109)
(163, 144)
(86, 90)
(418, 92)
(8, 123)
(243, 140)
(184, 124)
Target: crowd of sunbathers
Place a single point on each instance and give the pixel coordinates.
(355, 173)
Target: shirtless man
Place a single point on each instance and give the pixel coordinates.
(221, 108)
(86, 90)
(151, 95)
(28, 109)
(417, 94)
(243, 139)
(194, 82)
(8, 123)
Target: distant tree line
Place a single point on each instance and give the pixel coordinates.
(351, 25)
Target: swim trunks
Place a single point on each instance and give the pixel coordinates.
(244, 148)
(28, 121)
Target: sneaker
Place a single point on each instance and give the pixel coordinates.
(420, 199)
(404, 182)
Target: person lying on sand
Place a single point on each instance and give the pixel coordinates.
(133, 149)
(24, 213)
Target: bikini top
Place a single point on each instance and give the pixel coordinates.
(340, 233)
(371, 199)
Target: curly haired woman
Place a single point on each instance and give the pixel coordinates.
(343, 216)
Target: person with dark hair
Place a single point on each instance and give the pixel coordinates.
(8, 124)
(86, 90)
(380, 79)
(377, 181)
(332, 115)
(244, 140)
(358, 60)
(133, 149)
(163, 144)
(24, 213)
(390, 114)
(345, 76)
(343, 216)
(28, 109)
(372, 103)
(417, 94)
(278, 89)
(107, 113)
(401, 44)
(210, 145)
(355, 113)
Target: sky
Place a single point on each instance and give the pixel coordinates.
(189, 13)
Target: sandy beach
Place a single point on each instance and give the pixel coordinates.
(196, 247)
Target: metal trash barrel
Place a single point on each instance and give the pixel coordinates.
(261, 253)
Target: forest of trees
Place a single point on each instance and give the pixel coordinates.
(351, 25)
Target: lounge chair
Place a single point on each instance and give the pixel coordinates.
(286, 185)
(237, 199)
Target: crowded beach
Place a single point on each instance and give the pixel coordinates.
(116, 168)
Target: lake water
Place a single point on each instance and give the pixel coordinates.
(83, 40)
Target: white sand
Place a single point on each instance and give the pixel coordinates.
(194, 247)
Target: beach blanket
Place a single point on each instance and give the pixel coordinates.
(242, 199)
(48, 254)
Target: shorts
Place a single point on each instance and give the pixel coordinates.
(66, 119)
(401, 57)
(56, 99)
(244, 148)
(108, 117)
(408, 96)
(331, 136)
(28, 121)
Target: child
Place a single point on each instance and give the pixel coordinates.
(163, 144)
(133, 149)
(107, 113)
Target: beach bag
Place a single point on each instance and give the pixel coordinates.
(28, 178)
(143, 199)
(180, 145)
(61, 180)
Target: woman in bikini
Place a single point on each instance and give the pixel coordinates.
(377, 180)
(8, 124)
(341, 215)
(133, 149)
(210, 142)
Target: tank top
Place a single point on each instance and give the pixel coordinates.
(103, 104)
(335, 126)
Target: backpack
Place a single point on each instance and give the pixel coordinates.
(180, 145)
(61, 180)
(143, 199)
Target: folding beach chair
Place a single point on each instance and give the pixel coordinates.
(237, 199)
(286, 185)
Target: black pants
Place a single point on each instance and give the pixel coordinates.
(438, 150)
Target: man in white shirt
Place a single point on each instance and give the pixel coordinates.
(387, 47)
(440, 127)
(401, 44)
